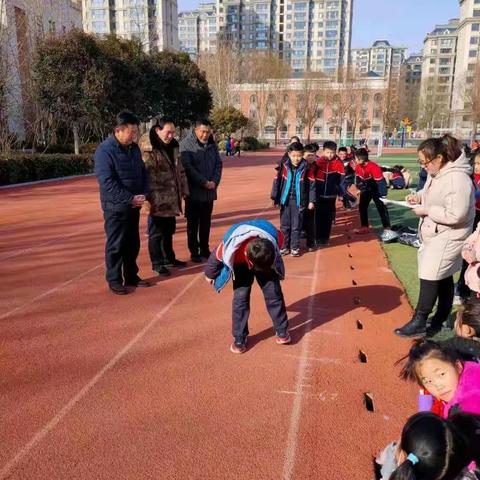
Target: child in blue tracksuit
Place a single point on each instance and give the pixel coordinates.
(293, 191)
(251, 250)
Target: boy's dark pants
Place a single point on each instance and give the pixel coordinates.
(309, 226)
(272, 292)
(291, 218)
(324, 216)
(365, 199)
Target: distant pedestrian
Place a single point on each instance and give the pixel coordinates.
(228, 146)
(122, 178)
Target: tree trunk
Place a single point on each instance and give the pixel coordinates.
(76, 140)
(276, 136)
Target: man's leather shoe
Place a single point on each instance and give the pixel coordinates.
(196, 258)
(139, 283)
(176, 263)
(117, 288)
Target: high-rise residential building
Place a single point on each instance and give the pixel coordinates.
(466, 66)
(409, 87)
(153, 22)
(308, 35)
(381, 58)
(197, 30)
(438, 73)
(22, 24)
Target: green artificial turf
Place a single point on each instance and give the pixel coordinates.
(402, 258)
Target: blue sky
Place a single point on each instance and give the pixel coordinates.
(402, 22)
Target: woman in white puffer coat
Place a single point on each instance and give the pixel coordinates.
(446, 208)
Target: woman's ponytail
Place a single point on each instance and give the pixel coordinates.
(406, 471)
(452, 147)
(468, 425)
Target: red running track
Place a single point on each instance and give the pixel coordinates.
(95, 386)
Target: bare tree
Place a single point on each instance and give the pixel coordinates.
(222, 69)
(471, 98)
(390, 107)
(311, 101)
(432, 110)
(263, 70)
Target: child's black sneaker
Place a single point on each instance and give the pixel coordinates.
(238, 346)
(295, 252)
(283, 339)
(285, 251)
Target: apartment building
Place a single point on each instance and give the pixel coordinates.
(22, 23)
(308, 35)
(381, 58)
(466, 66)
(197, 30)
(154, 22)
(410, 85)
(438, 73)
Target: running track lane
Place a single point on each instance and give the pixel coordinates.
(143, 386)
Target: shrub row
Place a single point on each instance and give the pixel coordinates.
(251, 143)
(22, 167)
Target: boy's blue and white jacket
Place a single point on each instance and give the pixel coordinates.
(221, 269)
(304, 184)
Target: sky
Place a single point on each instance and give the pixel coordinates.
(402, 22)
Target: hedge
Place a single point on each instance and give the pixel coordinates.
(22, 167)
(251, 143)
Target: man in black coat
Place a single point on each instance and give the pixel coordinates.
(203, 167)
(122, 178)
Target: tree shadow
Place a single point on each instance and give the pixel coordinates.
(332, 304)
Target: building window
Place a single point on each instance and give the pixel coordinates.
(472, 53)
(475, 27)
(473, 40)
(476, 13)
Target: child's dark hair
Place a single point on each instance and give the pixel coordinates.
(295, 147)
(422, 350)
(447, 147)
(362, 154)
(261, 253)
(295, 139)
(329, 145)
(469, 314)
(438, 449)
(311, 148)
(343, 149)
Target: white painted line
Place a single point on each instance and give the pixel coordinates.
(48, 427)
(49, 242)
(41, 182)
(324, 360)
(292, 439)
(49, 292)
(303, 277)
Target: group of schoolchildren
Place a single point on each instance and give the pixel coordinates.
(442, 440)
(307, 185)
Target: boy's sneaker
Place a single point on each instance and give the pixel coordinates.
(389, 236)
(285, 251)
(283, 339)
(361, 231)
(295, 252)
(238, 346)
(311, 249)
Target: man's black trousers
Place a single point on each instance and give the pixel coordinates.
(122, 246)
(199, 219)
(160, 240)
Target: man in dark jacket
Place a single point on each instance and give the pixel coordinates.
(122, 179)
(203, 167)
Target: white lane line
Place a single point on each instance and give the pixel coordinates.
(325, 360)
(302, 277)
(48, 427)
(292, 439)
(44, 244)
(52, 290)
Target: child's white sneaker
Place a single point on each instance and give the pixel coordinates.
(295, 252)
